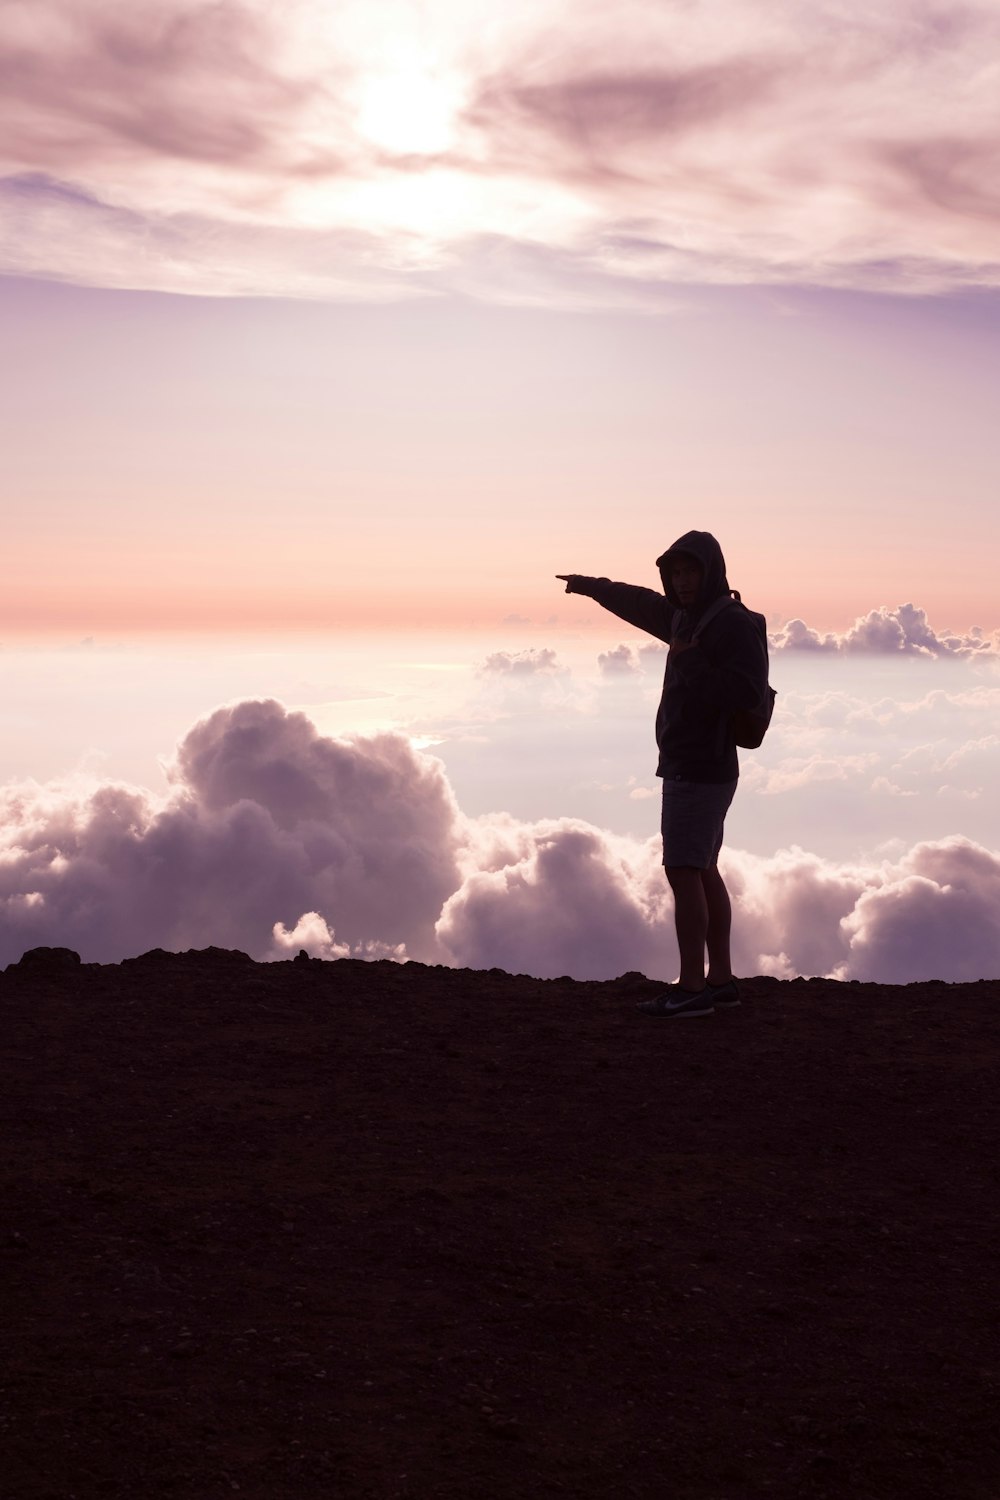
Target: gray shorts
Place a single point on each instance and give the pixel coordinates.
(693, 816)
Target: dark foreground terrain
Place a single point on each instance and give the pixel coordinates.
(340, 1229)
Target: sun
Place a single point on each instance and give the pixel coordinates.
(409, 111)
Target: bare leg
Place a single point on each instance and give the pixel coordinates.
(691, 920)
(720, 922)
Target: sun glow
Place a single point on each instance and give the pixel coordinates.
(410, 110)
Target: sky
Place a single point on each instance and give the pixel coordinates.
(333, 333)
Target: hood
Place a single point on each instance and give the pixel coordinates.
(702, 546)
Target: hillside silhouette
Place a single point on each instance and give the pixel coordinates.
(350, 1229)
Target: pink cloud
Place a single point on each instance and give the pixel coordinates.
(795, 772)
(267, 820)
(274, 837)
(788, 911)
(621, 661)
(531, 663)
(904, 630)
(312, 934)
(87, 83)
(595, 113)
(937, 915)
(561, 150)
(932, 912)
(797, 636)
(567, 902)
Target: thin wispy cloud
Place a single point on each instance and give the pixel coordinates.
(557, 151)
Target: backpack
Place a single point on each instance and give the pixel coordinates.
(749, 727)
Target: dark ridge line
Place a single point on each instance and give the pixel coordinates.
(52, 961)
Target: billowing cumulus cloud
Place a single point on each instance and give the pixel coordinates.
(571, 899)
(562, 151)
(937, 913)
(932, 912)
(267, 820)
(796, 635)
(904, 630)
(567, 899)
(273, 837)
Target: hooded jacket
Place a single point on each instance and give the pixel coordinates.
(723, 671)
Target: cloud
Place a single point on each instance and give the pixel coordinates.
(789, 910)
(531, 663)
(621, 661)
(266, 820)
(936, 914)
(795, 772)
(903, 630)
(933, 912)
(563, 897)
(797, 636)
(572, 743)
(273, 837)
(114, 245)
(312, 935)
(594, 118)
(559, 152)
(843, 771)
(884, 787)
(190, 83)
(567, 899)
(938, 718)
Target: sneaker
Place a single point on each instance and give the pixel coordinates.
(727, 994)
(679, 1003)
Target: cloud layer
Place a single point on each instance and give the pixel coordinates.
(274, 837)
(554, 151)
(892, 709)
(267, 820)
(904, 630)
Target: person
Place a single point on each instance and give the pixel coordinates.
(708, 678)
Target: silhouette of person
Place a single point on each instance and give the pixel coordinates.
(708, 678)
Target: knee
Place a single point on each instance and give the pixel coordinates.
(713, 885)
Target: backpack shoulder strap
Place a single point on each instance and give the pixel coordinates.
(715, 608)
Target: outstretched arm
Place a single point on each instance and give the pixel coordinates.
(644, 608)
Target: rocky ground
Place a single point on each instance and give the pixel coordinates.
(349, 1230)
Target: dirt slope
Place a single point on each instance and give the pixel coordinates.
(346, 1230)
